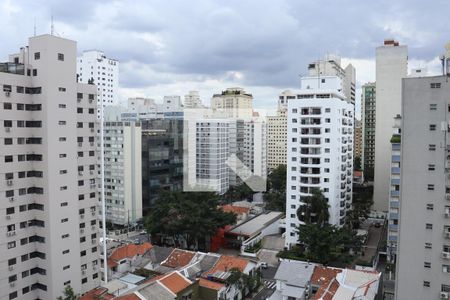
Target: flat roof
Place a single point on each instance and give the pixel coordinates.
(131, 278)
(256, 224)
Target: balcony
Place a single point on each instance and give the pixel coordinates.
(394, 204)
(393, 216)
(395, 193)
(395, 181)
(393, 227)
(395, 170)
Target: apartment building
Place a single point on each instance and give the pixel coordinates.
(93, 66)
(368, 104)
(192, 100)
(162, 158)
(394, 192)
(123, 168)
(358, 139)
(276, 140)
(319, 149)
(235, 102)
(423, 260)
(49, 173)
(391, 67)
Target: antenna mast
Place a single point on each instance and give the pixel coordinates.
(34, 26)
(52, 27)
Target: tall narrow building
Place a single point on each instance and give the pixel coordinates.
(49, 171)
(276, 140)
(423, 261)
(368, 104)
(391, 67)
(320, 149)
(93, 66)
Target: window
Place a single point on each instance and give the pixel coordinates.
(20, 89)
(60, 56)
(432, 127)
(426, 283)
(79, 110)
(20, 106)
(446, 268)
(84, 280)
(62, 139)
(62, 122)
(8, 141)
(65, 236)
(91, 111)
(34, 72)
(427, 265)
(66, 267)
(61, 105)
(25, 290)
(13, 295)
(433, 106)
(431, 167)
(63, 155)
(64, 204)
(7, 105)
(37, 55)
(430, 187)
(428, 245)
(11, 245)
(430, 206)
(432, 147)
(429, 226)
(435, 85)
(61, 89)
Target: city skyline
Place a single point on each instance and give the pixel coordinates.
(170, 56)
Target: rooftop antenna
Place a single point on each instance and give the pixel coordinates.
(34, 26)
(52, 27)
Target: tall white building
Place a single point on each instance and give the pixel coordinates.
(94, 66)
(391, 67)
(319, 149)
(192, 100)
(123, 168)
(49, 173)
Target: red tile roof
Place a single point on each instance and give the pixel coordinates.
(238, 210)
(175, 282)
(178, 258)
(327, 291)
(210, 284)
(226, 263)
(130, 251)
(323, 275)
(128, 297)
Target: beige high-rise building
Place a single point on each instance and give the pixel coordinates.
(235, 102)
(49, 176)
(391, 67)
(276, 140)
(358, 139)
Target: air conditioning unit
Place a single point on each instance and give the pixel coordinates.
(94, 267)
(447, 196)
(82, 216)
(12, 284)
(80, 173)
(447, 235)
(92, 144)
(94, 241)
(11, 233)
(11, 199)
(7, 94)
(92, 129)
(9, 182)
(81, 230)
(11, 268)
(93, 227)
(447, 214)
(7, 129)
(93, 213)
(446, 255)
(8, 217)
(444, 295)
(91, 172)
(80, 144)
(83, 272)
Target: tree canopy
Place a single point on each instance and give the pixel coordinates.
(314, 208)
(275, 197)
(193, 216)
(68, 294)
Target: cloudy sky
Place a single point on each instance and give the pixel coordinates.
(168, 47)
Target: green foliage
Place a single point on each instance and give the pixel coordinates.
(395, 139)
(314, 209)
(327, 243)
(361, 206)
(357, 163)
(255, 248)
(275, 197)
(68, 294)
(244, 282)
(193, 215)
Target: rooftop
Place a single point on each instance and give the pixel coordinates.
(129, 251)
(296, 273)
(239, 210)
(256, 224)
(178, 258)
(210, 284)
(225, 264)
(99, 293)
(175, 282)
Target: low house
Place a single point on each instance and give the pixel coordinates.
(177, 259)
(211, 290)
(222, 270)
(126, 258)
(156, 256)
(246, 235)
(293, 280)
(299, 280)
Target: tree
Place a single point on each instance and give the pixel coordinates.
(357, 163)
(275, 197)
(369, 174)
(242, 281)
(192, 216)
(361, 205)
(68, 294)
(314, 208)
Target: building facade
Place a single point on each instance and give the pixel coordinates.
(320, 150)
(235, 102)
(394, 192)
(358, 139)
(391, 67)
(192, 100)
(276, 140)
(49, 166)
(123, 168)
(162, 158)
(423, 261)
(93, 66)
(368, 104)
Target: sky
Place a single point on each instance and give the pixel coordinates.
(169, 47)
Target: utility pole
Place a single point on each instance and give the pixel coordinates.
(128, 221)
